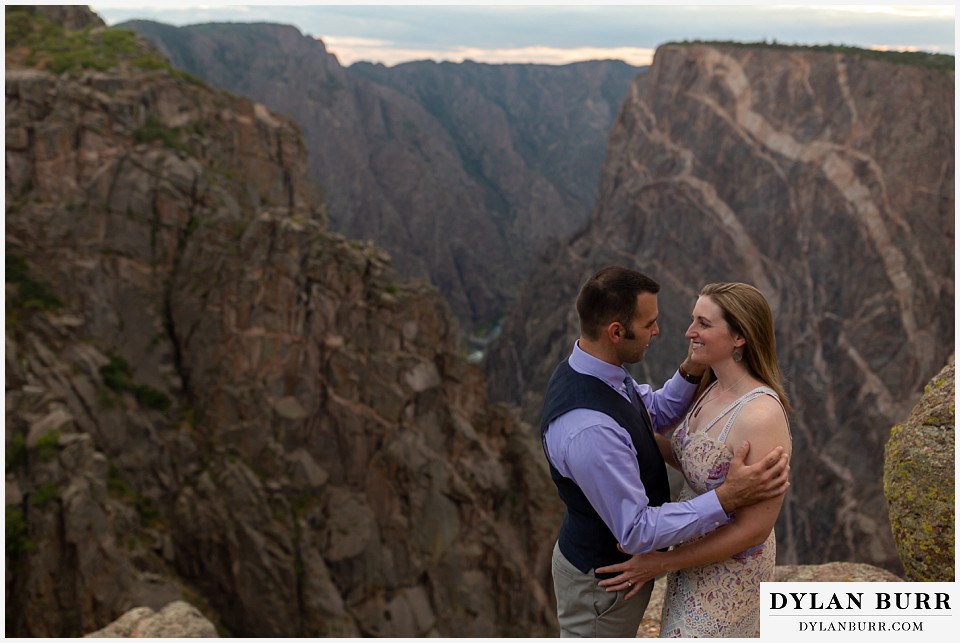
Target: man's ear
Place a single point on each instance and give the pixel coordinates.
(615, 331)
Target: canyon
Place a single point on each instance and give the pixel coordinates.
(223, 390)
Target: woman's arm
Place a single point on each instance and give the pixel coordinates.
(762, 422)
(751, 527)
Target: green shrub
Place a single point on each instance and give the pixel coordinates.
(46, 494)
(32, 294)
(17, 536)
(47, 445)
(151, 397)
(50, 46)
(116, 487)
(172, 137)
(19, 25)
(940, 62)
(146, 509)
(16, 453)
(117, 374)
(120, 41)
(154, 130)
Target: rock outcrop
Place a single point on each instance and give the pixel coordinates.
(826, 179)
(834, 573)
(176, 620)
(212, 398)
(460, 171)
(69, 16)
(919, 482)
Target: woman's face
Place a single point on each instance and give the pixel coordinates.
(711, 339)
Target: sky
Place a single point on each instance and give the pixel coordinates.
(558, 33)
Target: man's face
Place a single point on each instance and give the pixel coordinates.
(641, 330)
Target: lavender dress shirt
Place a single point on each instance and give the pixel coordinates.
(594, 451)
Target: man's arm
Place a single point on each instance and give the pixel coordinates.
(747, 531)
(765, 424)
(599, 456)
(669, 404)
(596, 453)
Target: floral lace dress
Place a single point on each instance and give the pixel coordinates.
(721, 599)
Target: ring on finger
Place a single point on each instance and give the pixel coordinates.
(629, 583)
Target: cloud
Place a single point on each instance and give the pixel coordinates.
(908, 10)
(557, 34)
(350, 50)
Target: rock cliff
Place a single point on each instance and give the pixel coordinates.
(212, 398)
(460, 171)
(824, 178)
(919, 482)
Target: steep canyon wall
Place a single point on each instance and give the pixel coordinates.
(460, 171)
(211, 397)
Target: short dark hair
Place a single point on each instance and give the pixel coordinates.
(609, 296)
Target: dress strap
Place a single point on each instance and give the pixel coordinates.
(739, 404)
(724, 412)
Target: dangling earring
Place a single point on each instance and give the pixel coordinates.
(737, 354)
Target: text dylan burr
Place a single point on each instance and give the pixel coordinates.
(854, 600)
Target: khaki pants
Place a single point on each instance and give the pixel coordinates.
(587, 610)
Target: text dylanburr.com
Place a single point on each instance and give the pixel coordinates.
(853, 610)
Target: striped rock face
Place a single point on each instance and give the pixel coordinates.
(827, 181)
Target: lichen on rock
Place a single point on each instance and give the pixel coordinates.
(918, 482)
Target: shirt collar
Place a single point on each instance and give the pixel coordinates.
(587, 364)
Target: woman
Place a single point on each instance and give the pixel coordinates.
(713, 587)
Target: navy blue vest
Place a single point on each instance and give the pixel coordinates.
(585, 540)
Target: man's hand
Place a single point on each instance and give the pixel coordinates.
(690, 366)
(749, 484)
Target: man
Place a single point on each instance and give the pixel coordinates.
(598, 429)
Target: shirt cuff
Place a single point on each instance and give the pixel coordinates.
(710, 511)
(680, 379)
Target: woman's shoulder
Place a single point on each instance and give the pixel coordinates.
(763, 403)
(761, 420)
